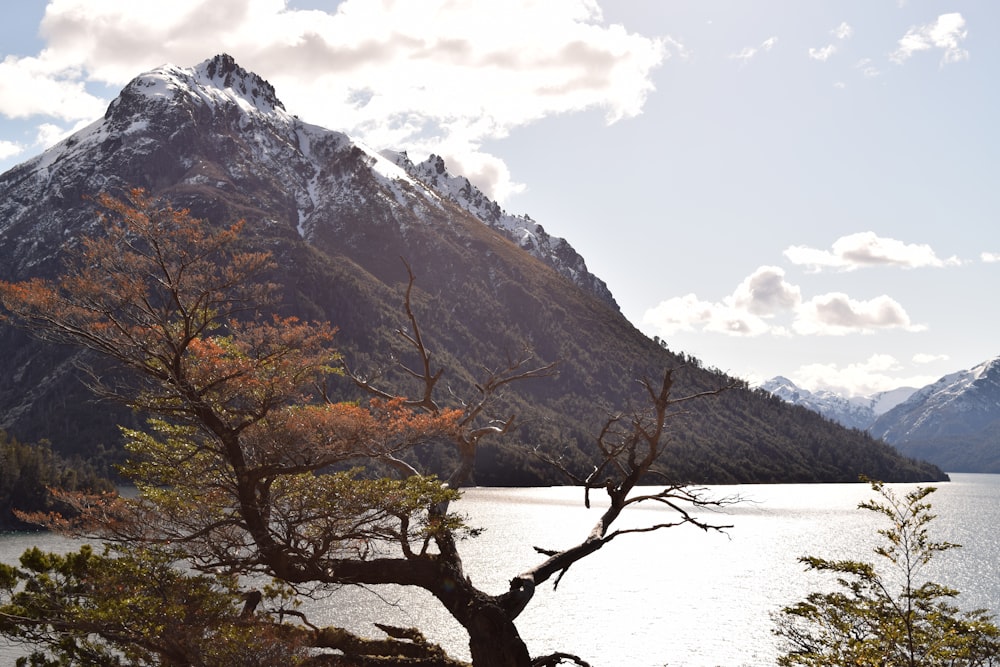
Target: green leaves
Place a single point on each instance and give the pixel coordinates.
(881, 613)
(134, 606)
(28, 471)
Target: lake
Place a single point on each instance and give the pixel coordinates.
(678, 597)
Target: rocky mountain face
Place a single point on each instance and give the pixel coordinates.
(339, 218)
(954, 422)
(850, 412)
(294, 169)
(858, 412)
(555, 251)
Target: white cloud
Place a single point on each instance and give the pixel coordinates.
(836, 314)
(744, 55)
(759, 297)
(675, 46)
(923, 358)
(880, 372)
(689, 313)
(488, 172)
(867, 249)
(946, 33)
(823, 54)
(50, 134)
(679, 313)
(9, 149)
(42, 87)
(765, 292)
(842, 31)
(867, 68)
(734, 322)
(990, 257)
(757, 302)
(442, 75)
(747, 53)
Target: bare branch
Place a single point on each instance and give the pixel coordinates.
(471, 428)
(629, 448)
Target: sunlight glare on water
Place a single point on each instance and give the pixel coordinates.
(680, 597)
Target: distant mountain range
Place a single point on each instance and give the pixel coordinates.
(858, 412)
(954, 422)
(338, 217)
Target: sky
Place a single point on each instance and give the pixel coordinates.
(779, 187)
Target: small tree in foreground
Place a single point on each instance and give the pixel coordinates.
(885, 615)
(234, 472)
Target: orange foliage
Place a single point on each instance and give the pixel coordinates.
(311, 436)
(90, 511)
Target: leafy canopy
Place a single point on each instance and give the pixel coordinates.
(248, 470)
(883, 613)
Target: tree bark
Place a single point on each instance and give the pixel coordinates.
(493, 638)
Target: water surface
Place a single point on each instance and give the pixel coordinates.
(678, 597)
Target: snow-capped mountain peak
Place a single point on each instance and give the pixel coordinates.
(854, 412)
(221, 127)
(954, 422)
(215, 83)
(521, 229)
(965, 400)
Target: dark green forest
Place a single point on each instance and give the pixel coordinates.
(28, 470)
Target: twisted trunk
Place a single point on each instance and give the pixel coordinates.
(493, 638)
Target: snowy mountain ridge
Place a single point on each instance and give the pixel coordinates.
(521, 229)
(857, 412)
(953, 422)
(957, 404)
(216, 82)
(337, 217)
(279, 144)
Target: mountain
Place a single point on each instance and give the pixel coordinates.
(521, 229)
(884, 401)
(954, 422)
(338, 217)
(858, 412)
(850, 412)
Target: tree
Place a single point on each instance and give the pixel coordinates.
(888, 615)
(27, 471)
(248, 467)
(134, 607)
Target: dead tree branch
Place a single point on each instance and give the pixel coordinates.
(629, 447)
(473, 424)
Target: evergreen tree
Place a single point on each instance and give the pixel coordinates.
(884, 614)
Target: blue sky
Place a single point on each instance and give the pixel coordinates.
(784, 187)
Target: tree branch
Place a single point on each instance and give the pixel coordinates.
(629, 454)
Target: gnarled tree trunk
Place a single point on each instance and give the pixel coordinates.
(493, 638)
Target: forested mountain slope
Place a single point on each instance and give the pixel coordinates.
(340, 219)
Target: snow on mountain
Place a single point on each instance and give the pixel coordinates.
(954, 422)
(884, 401)
(855, 412)
(519, 228)
(217, 82)
(961, 403)
(323, 171)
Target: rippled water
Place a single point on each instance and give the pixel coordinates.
(679, 597)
